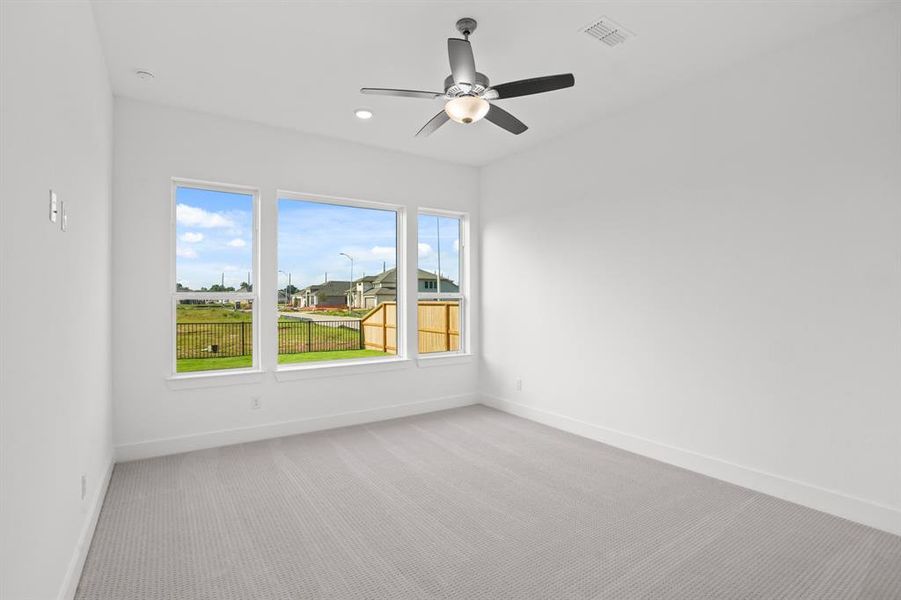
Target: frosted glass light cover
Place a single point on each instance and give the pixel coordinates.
(466, 109)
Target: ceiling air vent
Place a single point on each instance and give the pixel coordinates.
(608, 32)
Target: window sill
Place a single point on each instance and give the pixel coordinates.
(192, 381)
(339, 369)
(443, 360)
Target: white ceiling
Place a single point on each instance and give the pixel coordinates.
(301, 64)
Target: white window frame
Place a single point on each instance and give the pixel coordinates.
(401, 262)
(462, 296)
(254, 295)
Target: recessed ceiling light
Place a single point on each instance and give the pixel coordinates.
(145, 75)
(363, 113)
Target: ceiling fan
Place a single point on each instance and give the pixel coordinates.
(469, 93)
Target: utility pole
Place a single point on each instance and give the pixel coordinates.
(352, 292)
(438, 232)
(288, 288)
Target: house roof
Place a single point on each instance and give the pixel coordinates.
(380, 292)
(390, 276)
(333, 288)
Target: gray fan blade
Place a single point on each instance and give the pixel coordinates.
(433, 124)
(462, 64)
(401, 93)
(536, 85)
(502, 118)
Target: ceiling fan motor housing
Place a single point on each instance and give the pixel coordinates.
(452, 90)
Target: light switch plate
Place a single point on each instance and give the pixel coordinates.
(54, 207)
(64, 216)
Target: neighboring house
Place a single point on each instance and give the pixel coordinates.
(331, 294)
(372, 290)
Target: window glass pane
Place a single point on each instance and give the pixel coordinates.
(439, 325)
(214, 240)
(213, 335)
(439, 251)
(337, 296)
(439, 272)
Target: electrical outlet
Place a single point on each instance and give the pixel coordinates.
(519, 385)
(84, 486)
(256, 403)
(54, 207)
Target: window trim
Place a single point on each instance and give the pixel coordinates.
(402, 353)
(462, 295)
(175, 296)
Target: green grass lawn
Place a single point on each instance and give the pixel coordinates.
(188, 365)
(203, 325)
(333, 355)
(356, 313)
(204, 313)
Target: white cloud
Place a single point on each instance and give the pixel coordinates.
(237, 243)
(192, 237)
(185, 252)
(383, 251)
(424, 249)
(192, 216)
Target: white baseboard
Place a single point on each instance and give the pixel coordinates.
(227, 437)
(73, 574)
(836, 503)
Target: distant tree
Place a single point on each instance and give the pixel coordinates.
(181, 288)
(216, 287)
(292, 289)
(245, 287)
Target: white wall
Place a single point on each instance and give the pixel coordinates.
(55, 407)
(729, 262)
(154, 144)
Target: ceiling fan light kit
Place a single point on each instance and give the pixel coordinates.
(468, 93)
(466, 109)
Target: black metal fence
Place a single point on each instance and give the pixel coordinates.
(295, 336)
(206, 340)
(212, 340)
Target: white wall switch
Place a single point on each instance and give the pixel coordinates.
(54, 206)
(519, 385)
(84, 486)
(64, 216)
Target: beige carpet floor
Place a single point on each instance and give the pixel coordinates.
(467, 503)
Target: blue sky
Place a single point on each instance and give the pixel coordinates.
(213, 236)
(213, 231)
(440, 233)
(312, 236)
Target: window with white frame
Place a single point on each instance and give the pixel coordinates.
(339, 293)
(214, 291)
(441, 291)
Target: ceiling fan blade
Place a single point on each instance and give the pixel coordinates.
(433, 124)
(462, 64)
(505, 120)
(401, 93)
(536, 85)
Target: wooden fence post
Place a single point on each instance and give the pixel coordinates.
(447, 321)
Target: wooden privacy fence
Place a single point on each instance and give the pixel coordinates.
(380, 328)
(439, 327)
